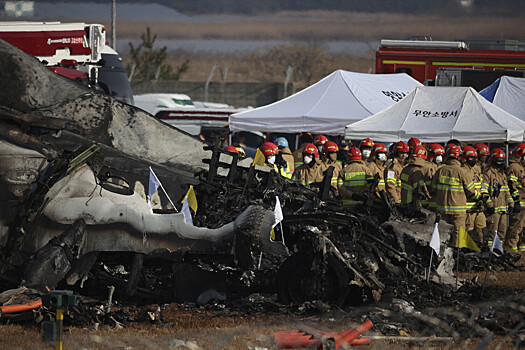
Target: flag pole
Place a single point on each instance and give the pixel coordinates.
(430, 265)
(457, 269)
(486, 275)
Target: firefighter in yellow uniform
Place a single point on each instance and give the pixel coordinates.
(516, 180)
(304, 139)
(354, 177)
(330, 150)
(483, 154)
(377, 164)
(452, 185)
(436, 152)
(476, 220)
(286, 154)
(393, 171)
(500, 201)
(413, 176)
(311, 171)
(366, 147)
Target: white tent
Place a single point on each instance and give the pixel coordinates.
(329, 105)
(508, 93)
(438, 114)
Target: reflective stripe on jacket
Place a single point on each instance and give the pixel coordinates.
(392, 177)
(452, 185)
(492, 177)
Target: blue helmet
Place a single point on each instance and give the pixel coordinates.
(281, 142)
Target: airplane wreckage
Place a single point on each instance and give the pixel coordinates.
(73, 214)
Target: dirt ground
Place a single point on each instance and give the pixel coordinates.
(207, 332)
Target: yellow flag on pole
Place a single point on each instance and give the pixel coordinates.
(259, 158)
(192, 199)
(465, 241)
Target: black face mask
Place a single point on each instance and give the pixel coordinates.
(471, 161)
(500, 165)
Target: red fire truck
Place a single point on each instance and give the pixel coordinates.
(75, 50)
(422, 58)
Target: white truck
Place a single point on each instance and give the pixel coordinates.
(75, 50)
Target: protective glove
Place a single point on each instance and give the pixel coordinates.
(489, 210)
(511, 209)
(517, 207)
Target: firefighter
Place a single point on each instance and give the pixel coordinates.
(413, 176)
(344, 147)
(476, 220)
(305, 138)
(451, 186)
(330, 150)
(319, 141)
(393, 171)
(377, 164)
(270, 152)
(366, 148)
(354, 177)
(435, 161)
(516, 181)
(483, 154)
(500, 201)
(412, 143)
(286, 153)
(311, 171)
(435, 155)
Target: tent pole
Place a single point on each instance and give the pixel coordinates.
(296, 141)
(506, 154)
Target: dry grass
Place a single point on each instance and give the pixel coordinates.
(333, 26)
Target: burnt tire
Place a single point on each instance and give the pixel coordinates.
(297, 282)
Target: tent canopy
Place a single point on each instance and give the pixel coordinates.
(508, 93)
(438, 114)
(329, 105)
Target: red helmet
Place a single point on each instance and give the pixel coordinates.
(497, 153)
(320, 140)
(469, 151)
(401, 147)
(353, 154)
(519, 150)
(268, 149)
(329, 147)
(231, 148)
(413, 142)
(453, 151)
(379, 148)
(366, 143)
(419, 151)
(311, 149)
(483, 149)
(437, 149)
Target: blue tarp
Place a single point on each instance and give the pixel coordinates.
(490, 91)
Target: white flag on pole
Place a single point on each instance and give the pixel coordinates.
(153, 185)
(187, 213)
(278, 212)
(435, 241)
(496, 243)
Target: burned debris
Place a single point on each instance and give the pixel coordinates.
(74, 166)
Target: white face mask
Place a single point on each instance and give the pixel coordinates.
(271, 160)
(439, 159)
(320, 148)
(307, 160)
(366, 153)
(381, 157)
